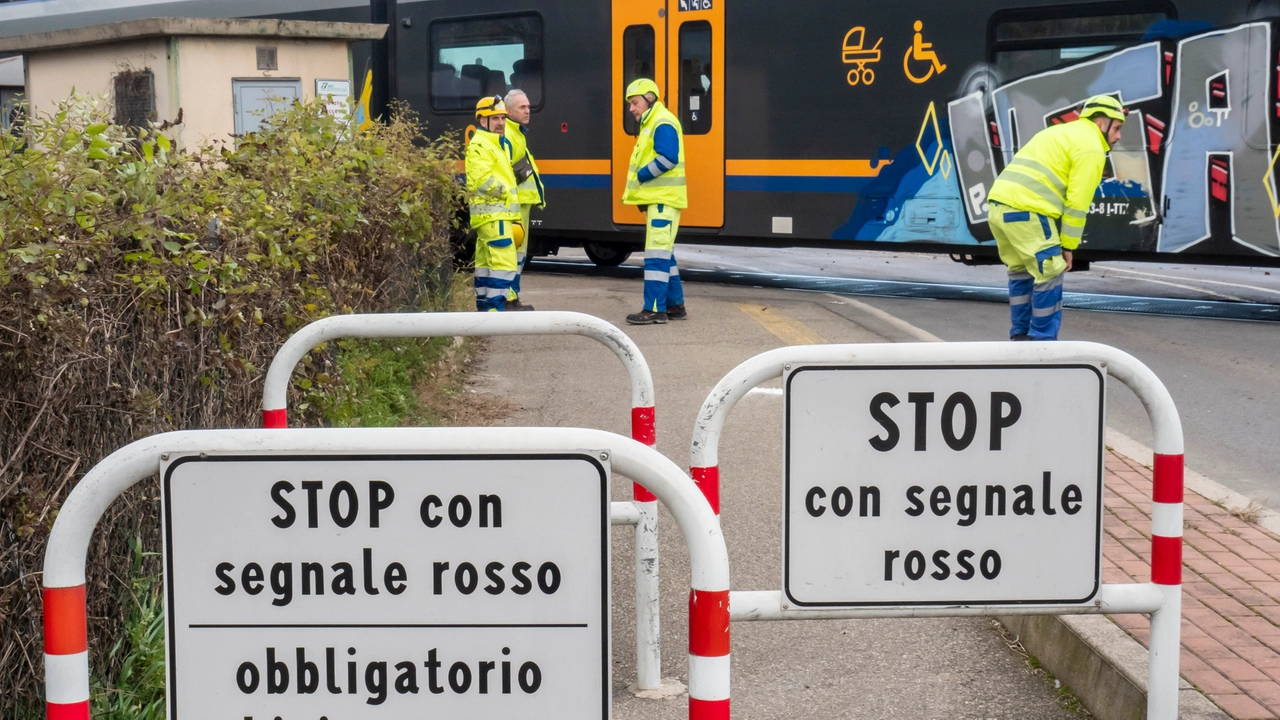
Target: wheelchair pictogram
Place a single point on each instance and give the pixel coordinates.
(856, 54)
(921, 52)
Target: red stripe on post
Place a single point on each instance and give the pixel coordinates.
(1167, 479)
(642, 430)
(64, 621)
(275, 419)
(708, 481)
(1166, 560)
(708, 709)
(640, 494)
(68, 711)
(709, 623)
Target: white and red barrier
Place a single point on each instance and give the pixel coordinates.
(1162, 597)
(275, 397)
(66, 652)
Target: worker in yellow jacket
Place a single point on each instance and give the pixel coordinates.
(1052, 179)
(656, 183)
(530, 189)
(494, 205)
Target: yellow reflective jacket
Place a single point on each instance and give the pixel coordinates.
(1056, 174)
(531, 191)
(491, 184)
(669, 187)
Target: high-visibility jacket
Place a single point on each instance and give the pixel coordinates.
(668, 188)
(491, 183)
(1056, 174)
(531, 191)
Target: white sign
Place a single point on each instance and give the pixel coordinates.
(387, 586)
(336, 95)
(951, 485)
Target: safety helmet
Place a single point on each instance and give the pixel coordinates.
(643, 86)
(1103, 105)
(490, 106)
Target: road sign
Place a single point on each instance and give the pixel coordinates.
(943, 485)
(387, 586)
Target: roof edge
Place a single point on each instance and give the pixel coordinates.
(192, 27)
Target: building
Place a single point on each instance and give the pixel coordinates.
(206, 79)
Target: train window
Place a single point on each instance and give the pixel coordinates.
(1259, 9)
(695, 77)
(1022, 42)
(637, 62)
(475, 57)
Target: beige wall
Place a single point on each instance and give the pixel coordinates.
(52, 75)
(207, 66)
(193, 74)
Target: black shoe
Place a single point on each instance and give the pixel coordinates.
(647, 317)
(517, 306)
(677, 312)
(1020, 338)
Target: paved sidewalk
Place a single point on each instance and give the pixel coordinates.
(1231, 590)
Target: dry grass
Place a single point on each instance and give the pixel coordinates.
(1250, 513)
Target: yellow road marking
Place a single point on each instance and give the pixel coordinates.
(786, 329)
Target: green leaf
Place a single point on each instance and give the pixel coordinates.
(172, 246)
(96, 128)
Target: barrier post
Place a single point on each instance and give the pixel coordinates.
(1161, 598)
(422, 325)
(67, 665)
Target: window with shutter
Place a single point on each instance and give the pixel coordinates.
(135, 98)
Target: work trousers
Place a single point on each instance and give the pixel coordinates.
(496, 267)
(661, 276)
(525, 212)
(1030, 248)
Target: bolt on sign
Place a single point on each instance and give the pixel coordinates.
(387, 586)
(943, 485)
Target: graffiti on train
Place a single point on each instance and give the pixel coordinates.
(1194, 170)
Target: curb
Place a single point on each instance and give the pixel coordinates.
(1101, 663)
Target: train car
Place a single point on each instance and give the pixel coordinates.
(841, 124)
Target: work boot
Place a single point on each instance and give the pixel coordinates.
(647, 317)
(1021, 338)
(517, 306)
(677, 312)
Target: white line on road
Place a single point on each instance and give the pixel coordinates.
(1187, 279)
(897, 322)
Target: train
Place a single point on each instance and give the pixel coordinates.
(837, 124)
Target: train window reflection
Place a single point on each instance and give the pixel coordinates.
(695, 78)
(476, 57)
(637, 62)
(1026, 41)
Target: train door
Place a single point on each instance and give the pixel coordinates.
(680, 45)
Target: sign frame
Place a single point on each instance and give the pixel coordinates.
(598, 460)
(792, 371)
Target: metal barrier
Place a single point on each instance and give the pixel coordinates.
(470, 324)
(65, 622)
(1162, 597)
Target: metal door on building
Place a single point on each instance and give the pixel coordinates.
(257, 100)
(680, 45)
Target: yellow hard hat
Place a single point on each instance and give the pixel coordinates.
(490, 106)
(643, 86)
(1103, 105)
(517, 234)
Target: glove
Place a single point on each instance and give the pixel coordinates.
(517, 233)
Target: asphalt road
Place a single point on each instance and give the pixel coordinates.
(1222, 374)
(919, 669)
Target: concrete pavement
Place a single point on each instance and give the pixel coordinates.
(937, 668)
